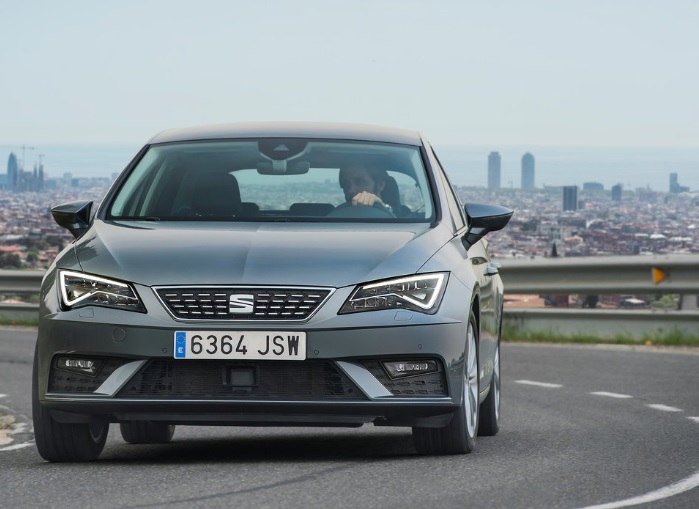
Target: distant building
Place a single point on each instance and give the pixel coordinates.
(675, 186)
(593, 187)
(570, 198)
(12, 171)
(494, 170)
(616, 192)
(528, 171)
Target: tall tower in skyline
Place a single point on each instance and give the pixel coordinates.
(675, 186)
(494, 170)
(617, 192)
(570, 198)
(528, 171)
(12, 171)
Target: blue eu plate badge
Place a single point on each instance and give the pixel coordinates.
(180, 344)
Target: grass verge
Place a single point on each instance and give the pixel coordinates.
(671, 338)
(23, 323)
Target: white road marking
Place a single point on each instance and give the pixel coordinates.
(7, 423)
(539, 384)
(611, 395)
(19, 427)
(664, 408)
(687, 484)
(3, 395)
(695, 419)
(16, 446)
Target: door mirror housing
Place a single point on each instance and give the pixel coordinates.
(74, 216)
(484, 218)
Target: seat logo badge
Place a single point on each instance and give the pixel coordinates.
(241, 303)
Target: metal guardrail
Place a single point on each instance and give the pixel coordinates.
(647, 275)
(658, 274)
(20, 281)
(602, 275)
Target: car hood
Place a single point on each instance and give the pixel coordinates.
(304, 254)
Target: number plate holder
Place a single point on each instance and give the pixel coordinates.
(241, 345)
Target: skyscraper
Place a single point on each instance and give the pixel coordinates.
(527, 171)
(12, 171)
(570, 198)
(616, 192)
(494, 170)
(675, 186)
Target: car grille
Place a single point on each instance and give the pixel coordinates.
(219, 303)
(67, 381)
(431, 384)
(277, 380)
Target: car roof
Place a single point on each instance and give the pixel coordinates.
(329, 130)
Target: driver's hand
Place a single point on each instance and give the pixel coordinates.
(366, 198)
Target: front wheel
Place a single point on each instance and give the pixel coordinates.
(489, 423)
(59, 441)
(459, 436)
(146, 432)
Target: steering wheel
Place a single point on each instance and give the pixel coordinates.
(348, 210)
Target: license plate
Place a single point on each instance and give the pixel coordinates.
(254, 345)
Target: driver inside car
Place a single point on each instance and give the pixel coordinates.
(363, 185)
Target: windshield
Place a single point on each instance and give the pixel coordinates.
(276, 180)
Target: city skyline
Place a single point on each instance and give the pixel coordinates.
(106, 161)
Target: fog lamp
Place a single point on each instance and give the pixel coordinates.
(86, 366)
(398, 369)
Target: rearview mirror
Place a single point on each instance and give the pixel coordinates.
(283, 167)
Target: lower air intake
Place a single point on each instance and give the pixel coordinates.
(278, 380)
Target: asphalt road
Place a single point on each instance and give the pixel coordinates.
(582, 426)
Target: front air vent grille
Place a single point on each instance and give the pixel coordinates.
(242, 303)
(278, 380)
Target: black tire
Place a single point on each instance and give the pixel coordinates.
(489, 423)
(60, 442)
(459, 436)
(146, 432)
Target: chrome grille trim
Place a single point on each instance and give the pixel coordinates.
(272, 303)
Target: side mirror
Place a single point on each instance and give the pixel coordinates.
(483, 219)
(74, 216)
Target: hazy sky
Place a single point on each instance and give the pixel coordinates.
(534, 72)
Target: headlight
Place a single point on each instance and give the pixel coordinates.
(421, 293)
(79, 290)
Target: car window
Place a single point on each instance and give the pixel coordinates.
(279, 179)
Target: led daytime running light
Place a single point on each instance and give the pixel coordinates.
(78, 289)
(420, 293)
(391, 290)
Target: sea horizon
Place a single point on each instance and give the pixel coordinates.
(633, 167)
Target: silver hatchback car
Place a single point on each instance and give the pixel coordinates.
(272, 274)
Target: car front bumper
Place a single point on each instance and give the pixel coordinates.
(341, 382)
